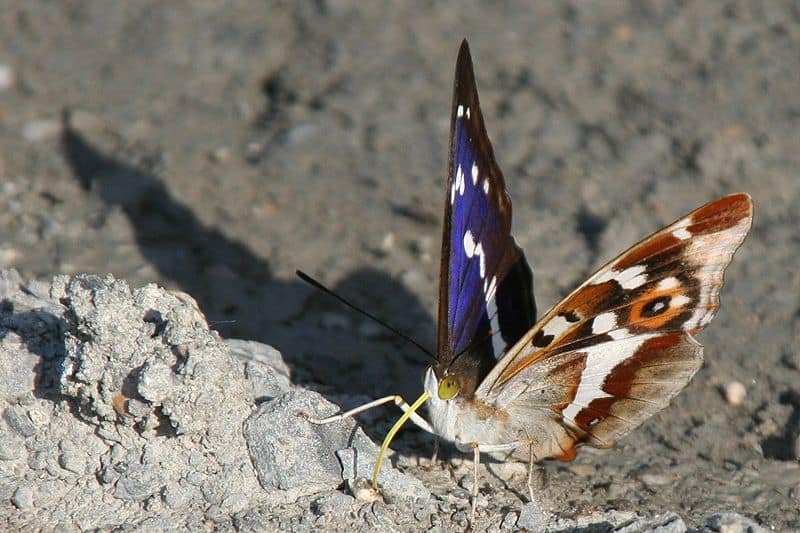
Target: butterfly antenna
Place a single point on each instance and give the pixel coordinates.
(316, 284)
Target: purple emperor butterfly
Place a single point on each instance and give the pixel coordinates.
(611, 354)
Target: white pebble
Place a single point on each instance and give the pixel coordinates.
(6, 76)
(40, 130)
(412, 278)
(734, 392)
(387, 243)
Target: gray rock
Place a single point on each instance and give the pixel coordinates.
(294, 457)
(335, 503)
(136, 407)
(264, 368)
(532, 518)
(17, 418)
(733, 523)
(663, 523)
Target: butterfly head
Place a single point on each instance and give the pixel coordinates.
(458, 377)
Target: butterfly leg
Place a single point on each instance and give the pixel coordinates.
(397, 399)
(530, 472)
(476, 463)
(435, 456)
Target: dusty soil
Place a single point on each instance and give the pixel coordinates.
(215, 149)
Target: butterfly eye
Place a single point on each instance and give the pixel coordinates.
(448, 388)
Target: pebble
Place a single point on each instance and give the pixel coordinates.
(734, 392)
(331, 320)
(221, 154)
(8, 256)
(334, 503)
(412, 278)
(41, 130)
(370, 330)
(361, 489)
(17, 417)
(509, 520)
(581, 469)
(6, 76)
(387, 243)
(23, 498)
(532, 518)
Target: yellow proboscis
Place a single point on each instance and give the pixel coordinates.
(389, 436)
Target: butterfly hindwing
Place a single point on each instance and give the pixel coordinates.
(618, 348)
(485, 289)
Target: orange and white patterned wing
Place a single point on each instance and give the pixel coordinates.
(618, 348)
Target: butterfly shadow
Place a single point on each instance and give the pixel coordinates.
(241, 298)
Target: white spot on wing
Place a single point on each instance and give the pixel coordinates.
(604, 323)
(469, 244)
(556, 326)
(600, 361)
(460, 180)
(679, 300)
(460, 111)
(668, 284)
(618, 334)
(490, 288)
(482, 258)
(453, 193)
(682, 234)
(630, 278)
(474, 173)
(498, 343)
(486, 185)
(467, 113)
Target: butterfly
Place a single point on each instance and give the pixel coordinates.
(599, 363)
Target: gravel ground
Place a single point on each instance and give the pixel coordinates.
(214, 149)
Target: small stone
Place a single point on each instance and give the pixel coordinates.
(387, 243)
(177, 495)
(581, 469)
(347, 458)
(336, 503)
(72, 461)
(655, 480)
(361, 489)
(509, 520)
(791, 358)
(370, 330)
(668, 522)
(6, 76)
(221, 154)
(17, 417)
(734, 392)
(532, 518)
(331, 320)
(733, 523)
(412, 278)
(23, 498)
(41, 130)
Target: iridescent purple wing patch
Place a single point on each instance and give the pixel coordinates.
(485, 298)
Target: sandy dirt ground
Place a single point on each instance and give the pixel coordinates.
(215, 148)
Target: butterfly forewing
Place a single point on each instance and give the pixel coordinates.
(626, 333)
(485, 298)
